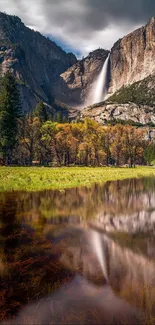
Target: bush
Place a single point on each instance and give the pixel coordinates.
(141, 93)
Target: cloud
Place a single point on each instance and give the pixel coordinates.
(82, 24)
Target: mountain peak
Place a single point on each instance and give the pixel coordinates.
(4, 15)
(98, 53)
(151, 20)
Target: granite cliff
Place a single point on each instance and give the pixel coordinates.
(75, 83)
(112, 112)
(42, 68)
(36, 61)
(131, 93)
(133, 57)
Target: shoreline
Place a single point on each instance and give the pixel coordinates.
(33, 179)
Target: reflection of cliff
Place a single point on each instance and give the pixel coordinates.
(117, 201)
(130, 275)
(87, 298)
(39, 264)
(34, 263)
(141, 221)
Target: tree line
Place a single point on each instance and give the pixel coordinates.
(36, 138)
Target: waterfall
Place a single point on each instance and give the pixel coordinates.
(99, 90)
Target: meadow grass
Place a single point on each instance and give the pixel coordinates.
(40, 178)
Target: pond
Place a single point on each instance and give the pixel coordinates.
(79, 256)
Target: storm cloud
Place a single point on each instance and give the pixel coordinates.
(82, 24)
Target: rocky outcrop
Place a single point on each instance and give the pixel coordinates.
(106, 112)
(76, 82)
(36, 61)
(133, 57)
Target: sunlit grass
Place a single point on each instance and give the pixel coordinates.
(40, 178)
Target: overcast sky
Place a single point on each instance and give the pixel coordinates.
(82, 25)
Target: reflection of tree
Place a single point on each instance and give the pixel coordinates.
(10, 228)
(113, 198)
(29, 269)
(9, 225)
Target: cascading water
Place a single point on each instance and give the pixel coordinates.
(100, 87)
(98, 91)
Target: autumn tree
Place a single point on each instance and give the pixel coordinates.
(106, 140)
(49, 131)
(66, 144)
(89, 148)
(117, 145)
(78, 133)
(84, 143)
(134, 143)
(29, 144)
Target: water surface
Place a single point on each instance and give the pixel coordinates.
(49, 270)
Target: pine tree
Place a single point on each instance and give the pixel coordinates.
(59, 117)
(9, 113)
(41, 113)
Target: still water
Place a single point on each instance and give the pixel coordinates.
(79, 256)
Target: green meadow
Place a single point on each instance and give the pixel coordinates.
(41, 178)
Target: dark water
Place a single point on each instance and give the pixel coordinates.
(49, 270)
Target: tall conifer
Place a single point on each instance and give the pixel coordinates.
(41, 113)
(10, 110)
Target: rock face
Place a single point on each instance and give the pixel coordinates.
(42, 68)
(36, 61)
(106, 112)
(76, 82)
(45, 71)
(133, 57)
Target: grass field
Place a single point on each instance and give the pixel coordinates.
(38, 179)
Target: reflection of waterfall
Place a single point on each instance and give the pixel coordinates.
(99, 89)
(99, 250)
